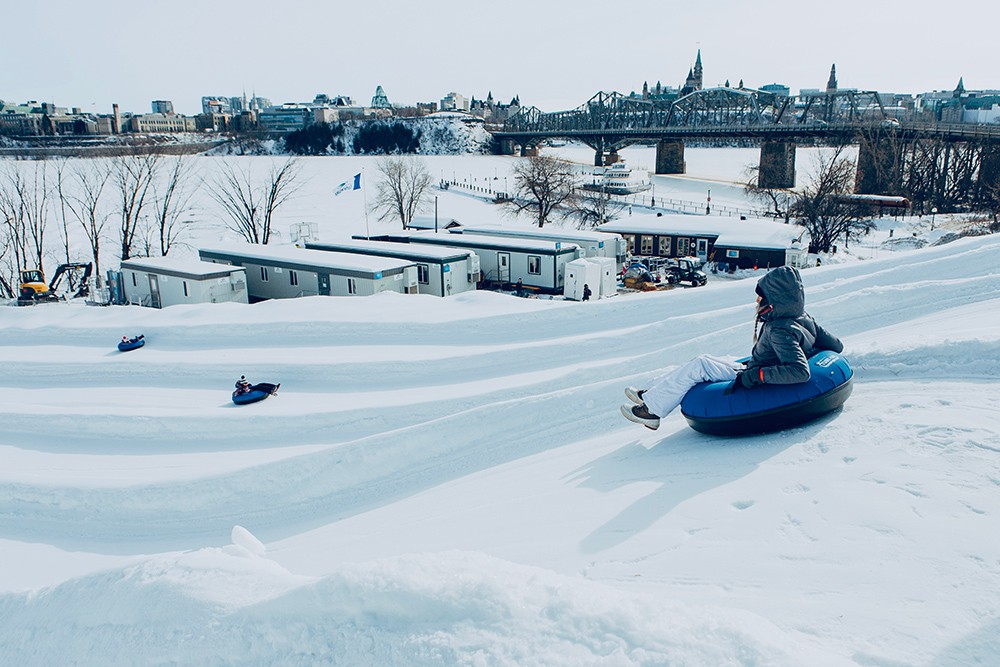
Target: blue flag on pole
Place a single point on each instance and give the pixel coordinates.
(353, 184)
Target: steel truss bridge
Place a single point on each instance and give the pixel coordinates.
(611, 121)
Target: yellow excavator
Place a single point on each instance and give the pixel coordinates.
(33, 287)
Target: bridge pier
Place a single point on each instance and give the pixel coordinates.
(506, 147)
(670, 157)
(879, 167)
(989, 168)
(777, 165)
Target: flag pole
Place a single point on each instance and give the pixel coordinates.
(364, 191)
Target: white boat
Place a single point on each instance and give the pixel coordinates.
(619, 179)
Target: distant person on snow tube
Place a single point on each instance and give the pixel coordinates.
(788, 336)
(242, 386)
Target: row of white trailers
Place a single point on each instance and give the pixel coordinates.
(439, 264)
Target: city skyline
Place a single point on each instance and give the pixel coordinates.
(553, 56)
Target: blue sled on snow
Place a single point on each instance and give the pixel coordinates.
(770, 407)
(131, 344)
(258, 392)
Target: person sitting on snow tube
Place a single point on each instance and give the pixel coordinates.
(788, 336)
(242, 386)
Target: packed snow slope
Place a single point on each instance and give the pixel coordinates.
(449, 481)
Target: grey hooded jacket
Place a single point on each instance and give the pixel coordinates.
(789, 335)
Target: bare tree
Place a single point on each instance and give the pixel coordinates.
(819, 209)
(87, 204)
(24, 204)
(775, 201)
(541, 185)
(173, 201)
(249, 205)
(591, 208)
(402, 191)
(133, 176)
(61, 176)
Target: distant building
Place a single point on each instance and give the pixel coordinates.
(44, 119)
(492, 111)
(379, 100)
(778, 89)
(454, 102)
(959, 105)
(216, 105)
(285, 118)
(695, 78)
(160, 122)
(163, 106)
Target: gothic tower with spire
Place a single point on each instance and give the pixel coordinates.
(831, 85)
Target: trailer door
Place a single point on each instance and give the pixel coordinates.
(503, 267)
(703, 250)
(154, 291)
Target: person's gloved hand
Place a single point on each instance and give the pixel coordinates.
(749, 378)
(735, 383)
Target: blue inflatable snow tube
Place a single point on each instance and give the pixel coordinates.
(133, 344)
(251, 396)
(770, 407)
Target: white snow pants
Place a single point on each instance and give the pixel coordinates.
(668, 390)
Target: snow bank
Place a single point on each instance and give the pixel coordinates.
(216, 606)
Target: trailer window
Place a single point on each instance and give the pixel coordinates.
(645, 245)
(263, 273)
(293, 277)
(134, 283)
(535, 265)
(423, 275)
(185, 283)
(352, 286)
(664, 250)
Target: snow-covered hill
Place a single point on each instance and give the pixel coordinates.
(448, 481)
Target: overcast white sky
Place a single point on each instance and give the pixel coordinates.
(554, 54)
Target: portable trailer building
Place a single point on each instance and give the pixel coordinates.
(593, 243)
(739, 243)
(283, 272)
(440, 271)
(159, 282)
(503, 261)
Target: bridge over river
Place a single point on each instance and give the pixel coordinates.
(888, 145)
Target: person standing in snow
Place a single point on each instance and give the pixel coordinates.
(586, 292)
(788, 336)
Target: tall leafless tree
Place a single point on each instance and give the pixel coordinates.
(61, 176)
(133, 176)
(172, 201)
(402, 190)
(88, 204)
(542, 184)
(819, 209)
(24, 205)
(250, 204)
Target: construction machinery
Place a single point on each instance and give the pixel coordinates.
(34, 289)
